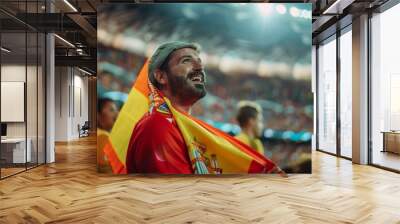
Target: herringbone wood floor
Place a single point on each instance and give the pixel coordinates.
(71, 191)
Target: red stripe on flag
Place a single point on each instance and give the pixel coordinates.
(116, 165)
(257, 167)
(141, 82)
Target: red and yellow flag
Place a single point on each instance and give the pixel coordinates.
(211, 151)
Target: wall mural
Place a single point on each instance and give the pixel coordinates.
(195, 88)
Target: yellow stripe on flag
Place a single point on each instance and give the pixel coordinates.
(131, 112)
(134, 109)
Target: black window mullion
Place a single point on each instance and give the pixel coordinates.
(369, 90)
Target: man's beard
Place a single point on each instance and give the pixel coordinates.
(183, 88)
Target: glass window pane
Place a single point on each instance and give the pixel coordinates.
(41, 98)
(346, 94)
(327, 97)
(23, 74)
(385, 89)
(31, 97)
(13, 85)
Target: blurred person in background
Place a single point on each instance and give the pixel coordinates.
(250, 120)
(107, 113)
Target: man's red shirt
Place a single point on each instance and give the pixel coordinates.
(157, 146)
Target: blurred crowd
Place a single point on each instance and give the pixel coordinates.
(286, 103)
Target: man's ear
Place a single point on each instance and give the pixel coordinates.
(161, 76)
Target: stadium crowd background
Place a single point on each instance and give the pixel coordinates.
(236, 70)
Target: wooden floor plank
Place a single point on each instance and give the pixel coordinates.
(71, 191)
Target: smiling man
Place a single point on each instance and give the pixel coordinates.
(156, 145)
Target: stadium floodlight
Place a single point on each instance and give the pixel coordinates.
(295, 12)
(265, 9)
(281, 9)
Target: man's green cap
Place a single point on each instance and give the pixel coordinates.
(164, 50)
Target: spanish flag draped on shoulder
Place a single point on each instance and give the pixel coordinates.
(211, 151)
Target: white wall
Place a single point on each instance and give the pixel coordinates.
(12, 73)
(33, 127)
(61, 103)
(16, 73)
(80, 102)
(71, 94)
